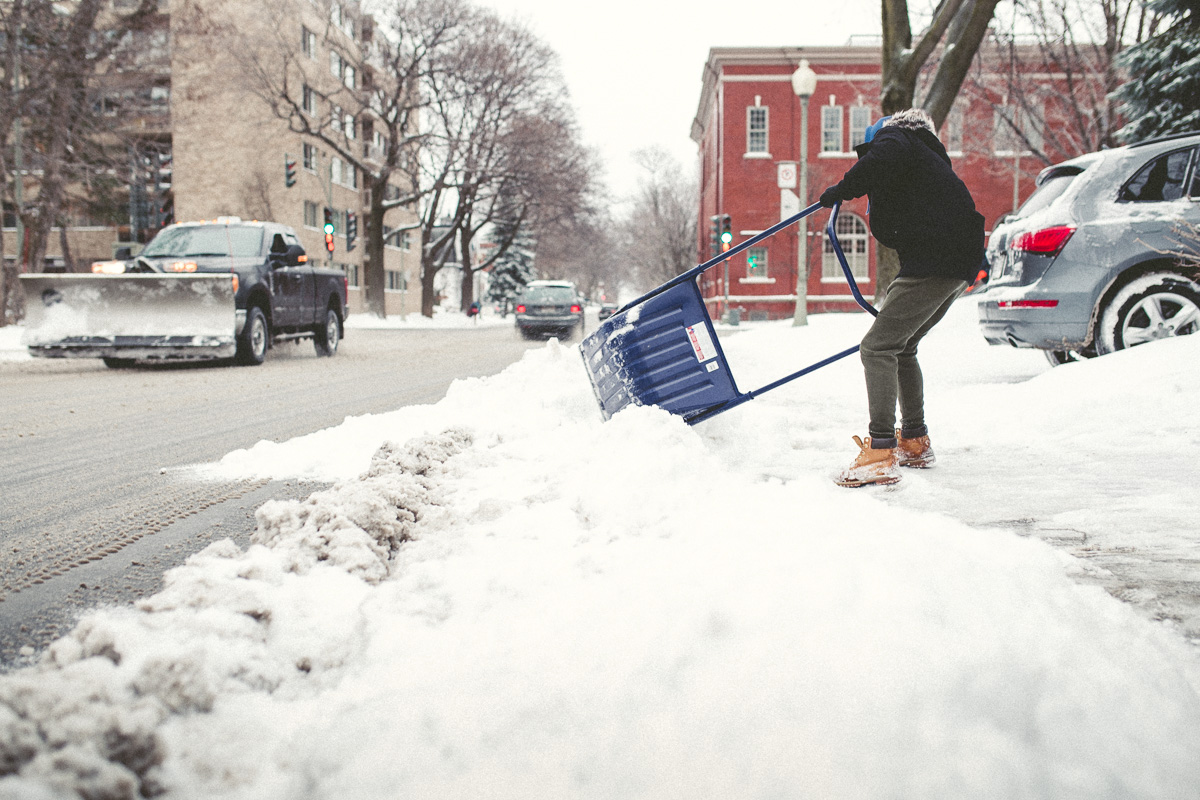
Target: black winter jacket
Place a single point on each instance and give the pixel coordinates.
(919, 206)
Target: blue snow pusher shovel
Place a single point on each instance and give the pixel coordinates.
(661, 349)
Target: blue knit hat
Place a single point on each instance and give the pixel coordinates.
(874, 127)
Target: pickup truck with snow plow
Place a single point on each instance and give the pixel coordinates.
(199, 290)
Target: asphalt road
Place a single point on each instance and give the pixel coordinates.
(92, 514)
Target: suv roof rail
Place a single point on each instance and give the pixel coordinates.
(1167, 138)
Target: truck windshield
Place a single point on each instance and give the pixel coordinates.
(180, 241)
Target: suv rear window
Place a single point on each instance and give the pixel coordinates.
(196, 241)
(549, 294)
(1047, 193)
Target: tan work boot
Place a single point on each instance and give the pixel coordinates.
(916, 452)
(872, 466)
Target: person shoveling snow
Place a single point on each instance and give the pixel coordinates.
(922, 209)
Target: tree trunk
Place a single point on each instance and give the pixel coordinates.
(375, 271)
(428, 273)
(887, 267)
(468, 275)
(964, 23)
(65, 246)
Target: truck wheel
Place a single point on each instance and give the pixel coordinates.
(1155, 306)
(252, 346)
(326, 338)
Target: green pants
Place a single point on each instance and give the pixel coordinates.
(910, 309)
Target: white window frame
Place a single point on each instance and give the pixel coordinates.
(308, 100)
(308, 43)
(831, 127)
(855, 239)
(316, 215)
(309, 157)
(349, 126)
(752, 131)
(335, 64)
(349, 76)
(860, 120)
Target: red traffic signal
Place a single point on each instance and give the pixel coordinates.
(329, 242)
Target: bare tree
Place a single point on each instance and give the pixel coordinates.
(498, 131)
(660, 231)
(411, 41)
(1052, 86)
(583, 249)
(450, 95)
(955, 32)
(58, 51)
(546, 181)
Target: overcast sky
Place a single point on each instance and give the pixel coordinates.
(633, 67)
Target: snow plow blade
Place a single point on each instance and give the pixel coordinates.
(142, 317)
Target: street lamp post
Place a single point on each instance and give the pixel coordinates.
(804, 84)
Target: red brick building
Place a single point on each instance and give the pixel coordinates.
(748, 131)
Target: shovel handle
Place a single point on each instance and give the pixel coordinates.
(830, 230)
(712, 262)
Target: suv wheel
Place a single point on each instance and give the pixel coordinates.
(1154, 306)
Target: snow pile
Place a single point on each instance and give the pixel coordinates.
(11, 347)
(525, 602)
(360, 525)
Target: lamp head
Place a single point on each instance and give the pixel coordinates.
(804, 80)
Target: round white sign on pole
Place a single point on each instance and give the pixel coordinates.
(787, 175)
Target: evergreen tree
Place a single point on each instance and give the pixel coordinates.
(1162, 94)
(513, 268)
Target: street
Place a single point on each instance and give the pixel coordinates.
(94, 510)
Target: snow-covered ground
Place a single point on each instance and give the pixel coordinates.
(502, 596)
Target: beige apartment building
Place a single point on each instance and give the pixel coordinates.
(210, 143)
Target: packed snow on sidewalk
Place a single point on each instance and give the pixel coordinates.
(502, 596)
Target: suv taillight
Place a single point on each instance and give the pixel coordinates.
(520, 308)
(576, 309)
(1046, 242)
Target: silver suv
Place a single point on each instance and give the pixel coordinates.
(1104, 255)
(549, 308)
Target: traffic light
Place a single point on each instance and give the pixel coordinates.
(329, 229)
(726, 232)
(714, 235)
(351, 229)
(289, 170)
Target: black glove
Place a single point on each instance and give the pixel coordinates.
(830, 197)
